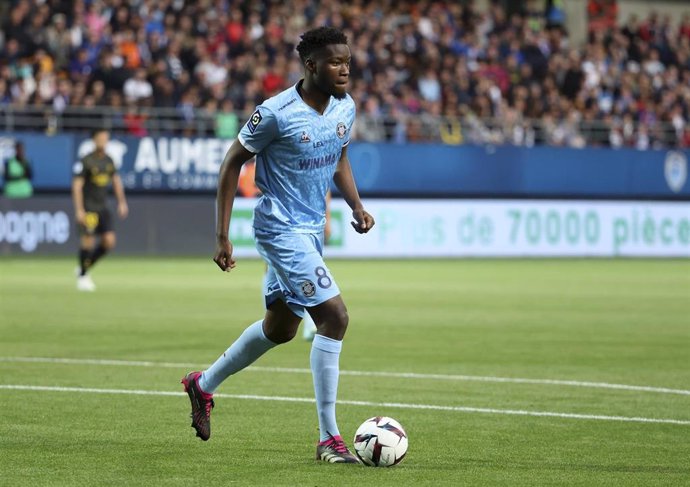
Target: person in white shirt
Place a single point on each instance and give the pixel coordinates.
(138, 87)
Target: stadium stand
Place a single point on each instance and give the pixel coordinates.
(423, 71)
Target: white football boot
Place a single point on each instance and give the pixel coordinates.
(84, 283)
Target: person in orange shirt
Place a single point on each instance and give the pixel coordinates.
(130, 50)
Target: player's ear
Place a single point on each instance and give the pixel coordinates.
(311, 65)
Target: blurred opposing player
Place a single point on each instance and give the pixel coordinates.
(300, 137)
(93, 175)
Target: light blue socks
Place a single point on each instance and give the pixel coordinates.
(251, 345)
(325, 356)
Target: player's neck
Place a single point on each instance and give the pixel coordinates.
(312, 96)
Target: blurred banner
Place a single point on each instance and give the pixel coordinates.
(174, 165)
(166, 225)
(157, 225)
(515, 228)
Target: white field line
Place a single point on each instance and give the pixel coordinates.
(397, 405)
(358, 373)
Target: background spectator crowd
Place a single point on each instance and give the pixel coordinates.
(421, 70)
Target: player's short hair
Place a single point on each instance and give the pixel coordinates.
(97, 131)
(315, 39)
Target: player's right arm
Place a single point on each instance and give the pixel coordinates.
(227, 189)
(78, 192)
(257, 133)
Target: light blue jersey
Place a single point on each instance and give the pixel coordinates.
(297, 150)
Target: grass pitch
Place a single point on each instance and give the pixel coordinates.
(606, 322)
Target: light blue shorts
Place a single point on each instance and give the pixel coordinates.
(296, 271)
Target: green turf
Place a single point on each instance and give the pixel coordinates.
(607, 321)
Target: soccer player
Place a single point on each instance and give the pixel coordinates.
(93, 174)
(300, 137)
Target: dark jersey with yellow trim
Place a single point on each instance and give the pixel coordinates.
(98, 171)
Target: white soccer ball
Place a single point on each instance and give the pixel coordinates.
(380, 442)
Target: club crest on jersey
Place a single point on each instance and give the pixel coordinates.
(308, 289)
(341, 130)
(254, 121)
(304, 138)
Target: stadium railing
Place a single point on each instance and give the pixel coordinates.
(194, 122)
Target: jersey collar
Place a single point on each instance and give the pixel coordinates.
(328, 107)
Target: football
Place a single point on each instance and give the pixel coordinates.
(380, 442)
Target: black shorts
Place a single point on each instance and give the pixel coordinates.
(96, 223)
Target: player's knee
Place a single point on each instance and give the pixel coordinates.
(343, 319)
(335, 324)
(109, 242)
(282, 335)
(340, 320)
(289, 334)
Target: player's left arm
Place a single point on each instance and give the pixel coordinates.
(119, 190)
(346, 185)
